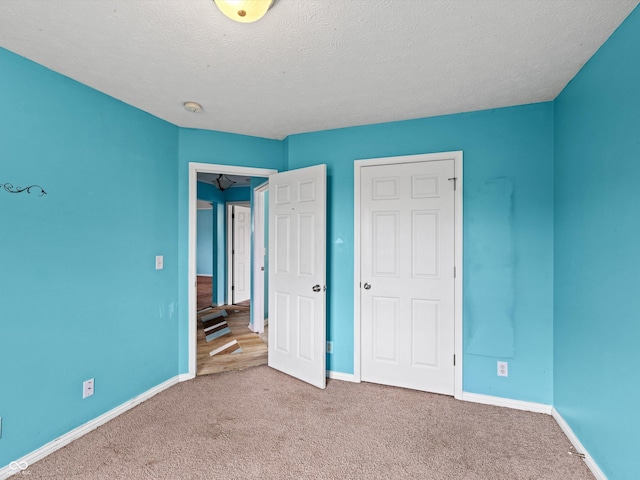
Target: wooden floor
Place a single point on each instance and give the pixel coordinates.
(205, 292)
(254, 350)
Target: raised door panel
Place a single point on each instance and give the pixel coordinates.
(297, 318)
(407, 258)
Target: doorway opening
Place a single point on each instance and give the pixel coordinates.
(220, 337)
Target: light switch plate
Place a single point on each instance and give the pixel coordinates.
(159, 262)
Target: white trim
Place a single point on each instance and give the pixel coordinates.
(185, 377)
(506, 402)
(588, 459)
(67, 438)
(345, 377)
(194, 168)
(228, 225)
(204, 275)
(357, 333)
(458, 250)
(257, 264)
(458, 288)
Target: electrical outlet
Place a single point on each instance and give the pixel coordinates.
(503, 369)
(159, 262)
(87, 388)
(329, 347)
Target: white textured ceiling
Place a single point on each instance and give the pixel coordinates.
(313, 64)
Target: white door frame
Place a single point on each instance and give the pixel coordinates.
(229, 227)
(194, 169)
(257, 303)
(357, 339)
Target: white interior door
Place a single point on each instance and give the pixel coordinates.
(407, 275)
(241, 253)
(297, 264)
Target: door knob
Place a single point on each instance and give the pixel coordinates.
(316, 288)
(367, 286)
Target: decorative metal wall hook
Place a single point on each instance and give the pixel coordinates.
(11, 189)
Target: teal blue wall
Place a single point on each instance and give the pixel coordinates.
(209, 193)
(205, 245)
(79, 293)
(238, 194)
(510, 146)
(597, 227)
(204, 146)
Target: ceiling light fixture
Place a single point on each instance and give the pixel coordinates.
(223, 182)
(192, 107)
(245, 11)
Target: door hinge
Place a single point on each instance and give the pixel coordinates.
(454, 360)
(233, 287)
(454, 272)
(455, 182)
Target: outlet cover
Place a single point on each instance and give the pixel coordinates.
(87, 388)
(503, 369)
(159, 262)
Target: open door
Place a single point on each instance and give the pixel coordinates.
(241, 254)
(297, 273)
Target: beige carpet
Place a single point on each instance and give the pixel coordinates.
(261, 424)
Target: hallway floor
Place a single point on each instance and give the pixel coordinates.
(254, 349)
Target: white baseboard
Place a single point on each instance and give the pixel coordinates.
(204, 275)
(345, 377)
(29, 459)
(507, 402)
(183, 377)
(593, 466)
